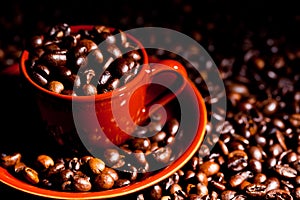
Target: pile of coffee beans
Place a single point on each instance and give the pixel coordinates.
(252, 153)
(133, 161)
(86, 62)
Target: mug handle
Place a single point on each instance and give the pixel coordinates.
(168, 79)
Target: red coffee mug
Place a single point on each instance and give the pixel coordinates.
(105, 119)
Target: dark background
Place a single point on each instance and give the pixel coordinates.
(223, 24)
(227, 21)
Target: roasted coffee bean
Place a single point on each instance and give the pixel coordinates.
(122, 182)
(255, 152)
(239, 178)
(10, 160)
(69, 42)
(162, 154)
(172, 126)
(114, 50)
(43, 70)
(272, 183)
(228, 194)
(135, 54)
(31, 175)
(255, 165)
(104, 78)
(89, 89)
(63, 71)
(259, 178)
(35, 42)
(104, 181)
(142, 144)
(256, 190)
(297, 193)
(73, 164)
(129, 172)
(66, 175)
(44, 161)
(88, 44)
(278, 194)
(295, 120)
(156, 192)
(56, 59)
(56, 86)
(59, 31)
(119, 67)
(72, 82)
(19, 167)
(285, 171)
(112, 156)
(237, 160)
(159, 137)
(275, 150)
(96, 165)
(88, 75)
(51, 47)
(113, 173)
(79, 63)
(39, 79)
(209, 168)
(55, 169)
(112, 84)
(239, 197)
(202, 178)
(65, 186)
(82, 183)
(291, 157)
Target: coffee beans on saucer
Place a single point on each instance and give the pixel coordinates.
(133, 161)
(86, 62)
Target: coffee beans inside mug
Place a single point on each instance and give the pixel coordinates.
(76, 63)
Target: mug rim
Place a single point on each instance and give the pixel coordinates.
(137, 79)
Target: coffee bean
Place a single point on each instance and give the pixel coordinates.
(10, 160)
(112, 156)
(82, 183)
(156, 192)
(113, 173)
(228, 194)
(39, 79)
(89, 89)
(96, 165)
(122, 183)
(66, 175)
(237, 160)
(31, 175)
(278, 194)
(209, 168)
(256, 190)
(59, 31)
(260, 178)
(44, 161)
(162, 154)
(285, 171)
(104, 181)
(272, 183)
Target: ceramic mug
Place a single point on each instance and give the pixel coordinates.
(105, 119)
